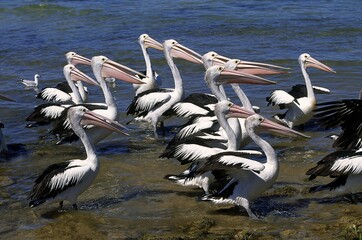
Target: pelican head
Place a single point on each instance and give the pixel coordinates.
(307, 60)
(212, 58)
(77, 75)
(176, 50)
(148, 42)
(80, 115)
(73, 58)
(111, 69)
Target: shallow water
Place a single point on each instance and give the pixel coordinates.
(129, 198)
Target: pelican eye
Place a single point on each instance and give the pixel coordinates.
(260, 119)
(220, 68)
(230, 104)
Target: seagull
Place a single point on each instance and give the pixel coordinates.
(31, 83)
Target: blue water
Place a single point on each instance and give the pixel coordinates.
(35, 35)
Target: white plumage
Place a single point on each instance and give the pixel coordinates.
(31, 83)
(66, 180)
(299, 107)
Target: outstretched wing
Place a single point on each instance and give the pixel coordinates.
(228, 160)
(337, 163)
(280, 98)
(348, 115)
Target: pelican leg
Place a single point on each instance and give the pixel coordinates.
(75, 206)
(245, 204)
(162, 126)
(354, 198)
(61, 204)
(154, 125)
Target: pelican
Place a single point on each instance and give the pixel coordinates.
(300, 110)
(198, 124)
(31, 83)
(63, 92)
(346, 114)
(345, 167)
(67, 180)
(152, 79)
(200, 154)
(198, 151)
(248, 178)
(189, 150)
(104, 67)
(153, 103)
(203, 103)
(48, 112)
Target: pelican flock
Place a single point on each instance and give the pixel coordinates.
(222, 143)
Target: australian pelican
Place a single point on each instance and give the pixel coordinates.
(151, 104)
(203, 103)
(152, 79)
(63, 92)
(186, 151)
(66, 180)
(104, 67)
(48, 112)
(300, 109)
(248, 178)
(345, 167)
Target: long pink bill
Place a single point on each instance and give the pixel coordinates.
(77, 75)
(74, 58)
(311, 62)
(220, 60)
(152, 43)
(236, 111)
(180, 51)
(112, 69)
(266, 65)
(78, 59)
(231, 76)
(257, 70)
(91, 118)
(280, 130)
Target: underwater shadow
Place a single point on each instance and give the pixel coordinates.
(14, 150)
